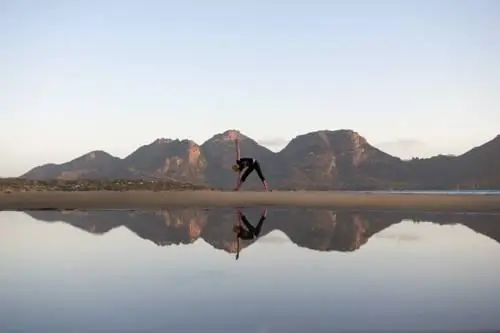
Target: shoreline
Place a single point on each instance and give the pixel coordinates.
(138, 200)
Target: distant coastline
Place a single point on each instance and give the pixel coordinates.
(434, 192)
(8, 185)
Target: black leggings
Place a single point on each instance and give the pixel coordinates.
(254, 230)
(254, 166)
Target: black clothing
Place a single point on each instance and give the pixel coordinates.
(245, 162)
(252, 232)
(250, 164)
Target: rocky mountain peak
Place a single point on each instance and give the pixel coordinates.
(161, 141)
(96, 154)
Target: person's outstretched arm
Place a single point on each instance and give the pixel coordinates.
(237, 144)
(237, 237)
(237, 248)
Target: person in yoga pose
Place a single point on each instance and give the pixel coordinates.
(248, 164)
(245, 230)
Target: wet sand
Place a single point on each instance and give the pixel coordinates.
(331, 200)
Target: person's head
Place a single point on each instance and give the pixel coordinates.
(235, 168)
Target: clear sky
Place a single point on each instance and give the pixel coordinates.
(413, 77)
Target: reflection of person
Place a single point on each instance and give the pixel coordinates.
(245, 230)
(249, 164)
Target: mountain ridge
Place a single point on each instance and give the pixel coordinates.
(323, 159)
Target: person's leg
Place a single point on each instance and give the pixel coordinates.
(247, 224)
(255, 230)
(261, 175)
(259, 226)
(244, 177)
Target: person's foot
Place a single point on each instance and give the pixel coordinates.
(266, 186)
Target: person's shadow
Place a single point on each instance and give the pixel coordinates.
(245, 230)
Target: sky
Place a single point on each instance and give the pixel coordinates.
(415, 78)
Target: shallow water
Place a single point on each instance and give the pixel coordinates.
(457, 192)
(309, 271)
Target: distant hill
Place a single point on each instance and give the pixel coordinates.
(324, 160)
(96, 164)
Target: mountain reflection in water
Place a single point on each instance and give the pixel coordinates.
(319, 230)
(300, 270)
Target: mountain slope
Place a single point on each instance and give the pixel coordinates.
(341, 159)
(336, 159)
(167, 159)
(472, 173)
(476, 168)
(96, 164)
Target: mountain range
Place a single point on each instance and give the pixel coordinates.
(319, 230)
(321, 160)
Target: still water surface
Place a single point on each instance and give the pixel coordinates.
(308, 271)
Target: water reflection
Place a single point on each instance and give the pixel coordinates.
(301, 270)
(319, 230)
(245, 230)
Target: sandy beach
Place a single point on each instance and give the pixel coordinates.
(331, 200)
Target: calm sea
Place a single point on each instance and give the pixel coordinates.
(303, 271)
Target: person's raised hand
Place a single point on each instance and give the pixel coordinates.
(232, 136)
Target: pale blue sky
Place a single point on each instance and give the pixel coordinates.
(82, 75)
